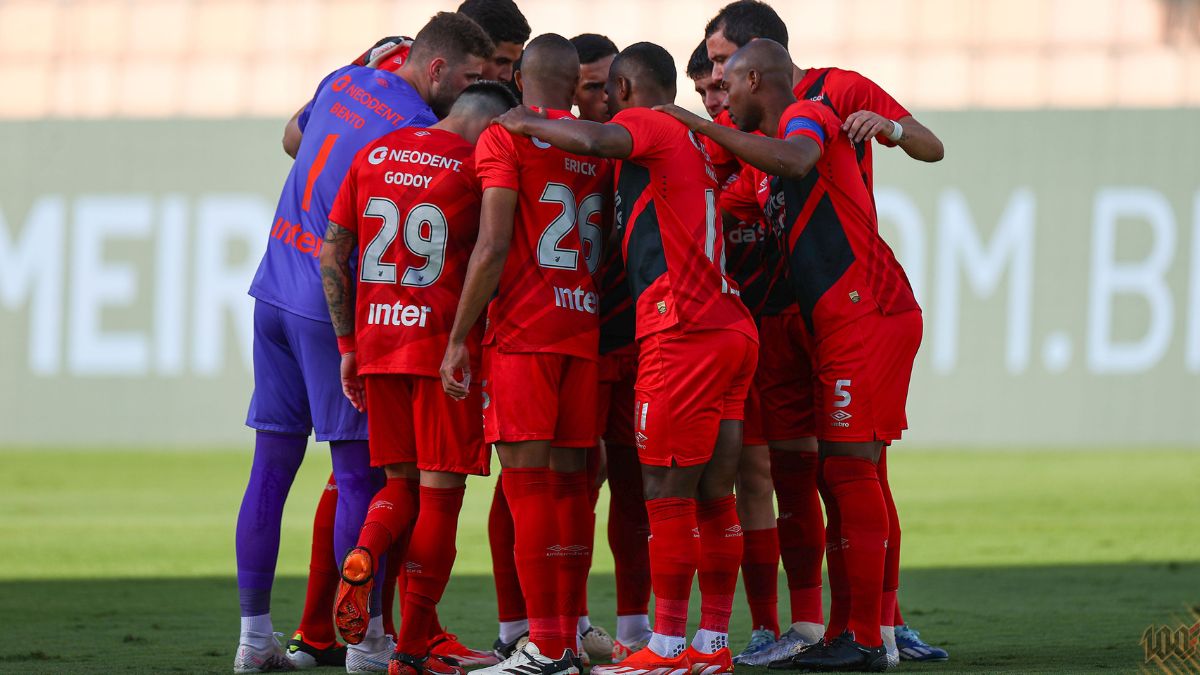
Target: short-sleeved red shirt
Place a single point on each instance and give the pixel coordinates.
(845, 92)
(753, 254)
(667, 217)
(413, 199)
(547, 300)
(839, 266)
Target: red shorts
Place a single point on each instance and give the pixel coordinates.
(688, 382)
(539, 397)
(410, 419)
(785, 378)
(863, 371)
(618, 372)
(752, 426)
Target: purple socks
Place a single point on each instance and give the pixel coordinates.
(357, 485)
(276, 459)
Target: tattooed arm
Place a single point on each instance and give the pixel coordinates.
(339, 294)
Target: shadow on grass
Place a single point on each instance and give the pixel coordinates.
(1017, 619)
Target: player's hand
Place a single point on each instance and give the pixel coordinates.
(352, 382)
(690, 120)
(864, 125)
(516, 120)
(457, 360)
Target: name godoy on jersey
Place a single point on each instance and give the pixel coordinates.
(412, 197)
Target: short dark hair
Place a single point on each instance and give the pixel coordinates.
(699, 65)
(649, 60)
(744, 20)
(452, 36)
(495, 93)
(592, 47)
(502, 20)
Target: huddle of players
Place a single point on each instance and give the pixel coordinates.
(463, 218)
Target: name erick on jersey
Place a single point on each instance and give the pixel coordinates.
(839, 266)
(667, 219)
(413, 198)
(352, 107)
(547, 300)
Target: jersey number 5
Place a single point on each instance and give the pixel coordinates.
(549, 251)
(425, 233)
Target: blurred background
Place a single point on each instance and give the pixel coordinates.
(1047, 485)
(1056, 249)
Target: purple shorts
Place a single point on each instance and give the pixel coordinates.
(297, 379)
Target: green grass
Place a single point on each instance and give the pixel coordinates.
(1017, 561)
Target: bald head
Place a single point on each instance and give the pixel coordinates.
(549, 67)
(642, 75)
(769, 59)
(757, 77)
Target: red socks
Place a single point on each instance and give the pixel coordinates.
(530, 495)
(510, 603)
(628, 531)
(891, 569)
(430, 557)
(760, 577)
(720, 557)
(389, 517)
(801, 532)
(323, 574)
(854, 486)
(674, 557)
(574, 557)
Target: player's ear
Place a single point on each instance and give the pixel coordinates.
(752, 75)
(624, 91)
(437, 69)
(519, 78)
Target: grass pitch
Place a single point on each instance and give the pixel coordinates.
(1016, 561)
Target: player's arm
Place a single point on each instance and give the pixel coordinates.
(790, 158)
(292, 135)
(339, 295)
(914, 138)
(575, 136)
(496, 215)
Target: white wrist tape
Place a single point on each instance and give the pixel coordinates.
(897, 132)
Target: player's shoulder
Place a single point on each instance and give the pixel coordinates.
(803, 114)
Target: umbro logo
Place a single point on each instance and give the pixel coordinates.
(382, 504)
(413, 567)
(569, 551)
(421, 133)
(695, 533)
(840, 415)
(733, 531)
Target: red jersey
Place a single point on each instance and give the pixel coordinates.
(547, 301)
(753, 254)
(839, 266)
(845, 92)
(616, 304)
(667, 218)
(413, 199)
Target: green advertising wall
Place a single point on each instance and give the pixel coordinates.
(1056, 255)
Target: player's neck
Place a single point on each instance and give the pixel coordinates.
(798, 74)
(413, 77)
(773, 108)
(536, 97)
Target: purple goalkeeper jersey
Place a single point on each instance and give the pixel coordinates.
(353, 106)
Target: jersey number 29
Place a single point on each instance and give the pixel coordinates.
(425, 232)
